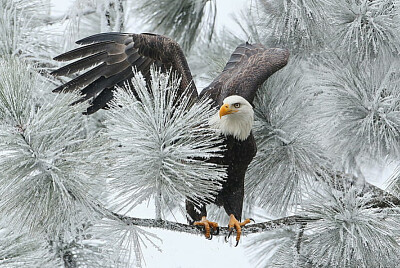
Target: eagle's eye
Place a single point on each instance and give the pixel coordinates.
(236, 105)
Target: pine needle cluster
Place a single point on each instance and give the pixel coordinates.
(360, 106)
(295, 24)
(180, 19)
(21, 30)
(163, 145)
(288, 157)
(349, 232)
(22, 250)
(46, 186)
(276, 247)
(365, 29)
(86, 17)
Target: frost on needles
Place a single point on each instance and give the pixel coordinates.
(50, 165)
(161, 145)
(46, 182)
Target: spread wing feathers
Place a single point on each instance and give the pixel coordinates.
(248, 67)
(109, 58)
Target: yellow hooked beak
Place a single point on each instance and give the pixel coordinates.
(225, 109)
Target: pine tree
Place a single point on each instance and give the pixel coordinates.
(68, 182)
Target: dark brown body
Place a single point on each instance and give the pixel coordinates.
(237, 157)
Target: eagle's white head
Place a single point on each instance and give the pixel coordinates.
(235, 117)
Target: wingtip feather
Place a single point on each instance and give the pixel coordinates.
(59, 57)
(54, 73)
(58, 89)
(110, 36)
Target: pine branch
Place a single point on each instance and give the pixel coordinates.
(380, 198)
(184, 20)
(185, 228)
(299, 237)
(248, 229)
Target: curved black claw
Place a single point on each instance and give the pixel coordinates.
(211, 236)
(229, 235)
(252, 220)
(237, 243)
(216, 232)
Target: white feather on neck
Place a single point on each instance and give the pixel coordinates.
(237, 124)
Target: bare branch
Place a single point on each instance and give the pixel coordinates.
(299, 237)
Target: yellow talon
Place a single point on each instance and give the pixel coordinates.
(234, 223)
(208, 225)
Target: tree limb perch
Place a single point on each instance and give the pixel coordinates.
(380, 198)
(191, 229)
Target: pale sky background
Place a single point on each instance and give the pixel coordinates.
(181, 250)
(225, 8)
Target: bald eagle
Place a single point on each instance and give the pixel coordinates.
(114, 54)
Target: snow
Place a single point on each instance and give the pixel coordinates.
(186, 250)
(59, 7)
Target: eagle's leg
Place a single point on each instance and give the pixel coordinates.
(208, 226)
(234, 223)
(198, 216)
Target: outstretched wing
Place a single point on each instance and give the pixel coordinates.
(248, 67)
(112, 56)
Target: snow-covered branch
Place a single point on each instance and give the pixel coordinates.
(380, 199)
(192, 229)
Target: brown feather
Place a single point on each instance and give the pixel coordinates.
(81, 64)
(108, 46)
(115, 54)
(102, 37)
(83, 79)
(248, 67)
